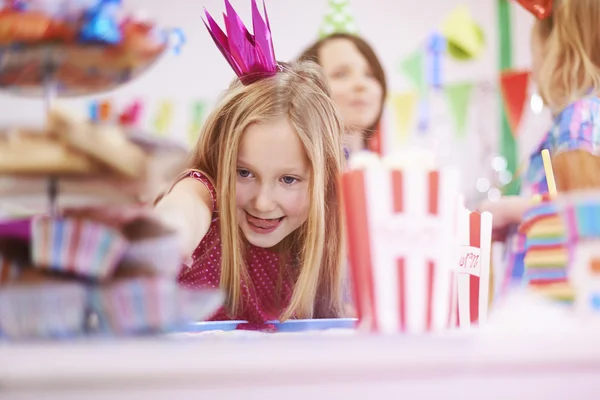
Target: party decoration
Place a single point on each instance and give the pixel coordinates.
(514, 85)
(164, 117)
(251, 56)
(177, 40)
(436, 47)
(130, 116)
(402, 241)
(541, 9)
(198, 108)
(338, 19)
(105, 111)
(413, 68)
(424, 115)
(404, 107)
(508, 143)
(94, 111)
(464, 36)
(100, 23)
(458, 96)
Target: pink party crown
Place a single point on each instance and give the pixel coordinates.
(251, 56)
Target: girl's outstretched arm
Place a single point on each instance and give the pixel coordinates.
(187, 208)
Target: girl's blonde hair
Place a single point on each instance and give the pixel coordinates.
(299, 93)
(570, 69)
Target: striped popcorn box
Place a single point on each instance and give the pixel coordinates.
(472, 271)
(401, 226)
(76, 246)
(149, 305)
(42, 311)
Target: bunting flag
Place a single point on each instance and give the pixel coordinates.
(413, 68)
(404, 107)
(163, 118)
(436, 48)
(338, 19)
(198, 108)
(508, 143)
(513, 86)
(458, 96)
(105, 111)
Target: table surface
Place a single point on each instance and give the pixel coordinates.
(231, 363)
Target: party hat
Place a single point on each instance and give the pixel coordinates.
(541, 9)
(465, 38)
(338, 19)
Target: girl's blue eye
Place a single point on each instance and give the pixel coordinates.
(243, 173)
(289, 180)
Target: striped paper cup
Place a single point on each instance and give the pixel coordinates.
(401, 226)
(472, 271)
(76, 246)
(152, 246)
(42, 311)
(150, 305)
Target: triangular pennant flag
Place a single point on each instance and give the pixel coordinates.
(458, 103)
(514, 85)
(413, 67)
(198, 108)
(163, 118)
(338, 19)
(404, 108)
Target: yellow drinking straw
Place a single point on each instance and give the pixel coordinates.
(549, 173)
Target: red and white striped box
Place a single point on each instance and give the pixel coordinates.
(402, 246)
(470, 298)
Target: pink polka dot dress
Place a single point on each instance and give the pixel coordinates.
(269, 292)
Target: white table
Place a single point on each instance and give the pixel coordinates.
(309, 366)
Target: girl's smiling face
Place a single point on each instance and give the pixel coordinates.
(273, 181)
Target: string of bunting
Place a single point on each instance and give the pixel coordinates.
(461, 39)
(162, 119)
(512, 85)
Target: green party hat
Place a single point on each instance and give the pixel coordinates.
(338, 19)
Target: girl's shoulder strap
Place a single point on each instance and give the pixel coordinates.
(201, 177)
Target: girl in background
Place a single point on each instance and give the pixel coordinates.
(566, 68)
(357, 82)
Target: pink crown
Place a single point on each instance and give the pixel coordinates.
(250, 55)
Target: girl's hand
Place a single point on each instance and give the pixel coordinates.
(505, 212)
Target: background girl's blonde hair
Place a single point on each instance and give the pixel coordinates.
(298, 93)
(570, 69)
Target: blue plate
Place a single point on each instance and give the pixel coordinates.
(302, 325)
(298, 325)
